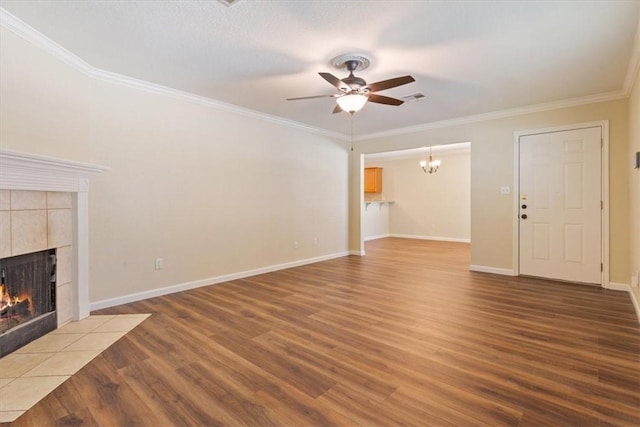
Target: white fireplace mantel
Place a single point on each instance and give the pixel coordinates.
(32, 172)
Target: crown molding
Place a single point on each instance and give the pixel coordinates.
(41, 41)
(634, 64)
(555, 105)
(36, 38)
(122, 80)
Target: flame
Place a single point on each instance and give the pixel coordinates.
(7, 300)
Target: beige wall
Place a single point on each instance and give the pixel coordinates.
(492, 166)
(44, 104)
(210, 192)
(634, 183)
(428, 206)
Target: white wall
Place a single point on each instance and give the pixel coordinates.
(211, 192)
(435, 206)
(375, 220)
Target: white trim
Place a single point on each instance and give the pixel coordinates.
(38, 39)
(357, 253)
(157, 89)
(361, 199)
(437, 238)
(24, 171)
(634, 64)
(80, 295)
(492, 270)
(615, 286)
(138, 296)
(515, 206)
(604, 126)
(379, 236)
(605, 199)
(625, 287)
(636, 303)
(537, 108)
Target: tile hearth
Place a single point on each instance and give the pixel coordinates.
(35, 370)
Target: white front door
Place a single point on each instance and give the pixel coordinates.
(560, 205)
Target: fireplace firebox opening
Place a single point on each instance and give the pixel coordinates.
(27, 298)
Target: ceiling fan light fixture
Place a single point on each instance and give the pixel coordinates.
(352, 102)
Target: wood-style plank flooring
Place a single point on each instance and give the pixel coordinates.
(404, 336)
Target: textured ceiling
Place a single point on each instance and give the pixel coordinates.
(468, 57)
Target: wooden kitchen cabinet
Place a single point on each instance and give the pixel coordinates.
(373, 180)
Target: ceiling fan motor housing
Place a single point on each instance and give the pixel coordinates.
(354, 82)
(351, 63)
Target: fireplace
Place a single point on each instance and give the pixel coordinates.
(27, 298)
(44, 206)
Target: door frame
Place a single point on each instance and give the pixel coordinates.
(604, 217)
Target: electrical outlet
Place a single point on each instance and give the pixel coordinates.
(159, 264)
(296, 244)
(315, 241)
(505, 189)
(635, 279)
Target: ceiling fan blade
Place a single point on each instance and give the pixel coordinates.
(388, 84)
(379, 99)
(337, 109)
(335, 81)
(312, 97)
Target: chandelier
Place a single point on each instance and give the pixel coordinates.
(431, 166)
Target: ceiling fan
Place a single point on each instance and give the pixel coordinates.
(354, 91)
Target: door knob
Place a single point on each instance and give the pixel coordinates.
(523, 216)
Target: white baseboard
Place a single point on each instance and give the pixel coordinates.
(356, 253)
(379, 236)
(438, 238)
(625, 287)
(618, 287)
(493, 270)
(138, 296)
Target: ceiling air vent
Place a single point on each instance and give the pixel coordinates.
(414, 97)
(228, 2)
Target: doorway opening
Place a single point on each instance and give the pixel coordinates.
(410, 202)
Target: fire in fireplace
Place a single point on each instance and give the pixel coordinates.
(14, 309)
(27, 298)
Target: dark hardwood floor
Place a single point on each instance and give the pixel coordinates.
(404, 336)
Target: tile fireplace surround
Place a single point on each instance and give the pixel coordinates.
(32, 221)
(44, 205)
